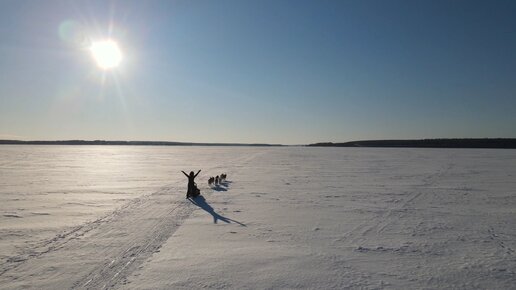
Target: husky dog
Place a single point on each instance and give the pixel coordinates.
(211, 180)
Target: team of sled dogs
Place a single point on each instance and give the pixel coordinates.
(217, 179)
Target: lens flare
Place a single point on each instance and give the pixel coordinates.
(106, 54)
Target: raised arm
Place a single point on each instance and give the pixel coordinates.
(197, 173)
(184, 173)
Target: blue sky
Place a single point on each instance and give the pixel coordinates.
(288, 72)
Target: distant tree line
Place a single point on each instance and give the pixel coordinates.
(508, 143)
(137, 143)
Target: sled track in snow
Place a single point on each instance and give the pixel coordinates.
(102, 253)
(142, 244)
(37, 249)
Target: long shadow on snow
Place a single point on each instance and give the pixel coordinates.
(201, 202)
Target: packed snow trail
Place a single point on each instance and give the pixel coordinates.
(101, 253)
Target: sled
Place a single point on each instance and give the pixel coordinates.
(196, 192)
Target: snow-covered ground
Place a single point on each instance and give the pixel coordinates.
(93, 217)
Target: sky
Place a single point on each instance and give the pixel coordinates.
(268, 71)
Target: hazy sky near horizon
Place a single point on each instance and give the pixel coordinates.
(271, 71)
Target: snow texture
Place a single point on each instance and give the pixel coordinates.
(116, 217)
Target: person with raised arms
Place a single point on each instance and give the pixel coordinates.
(192, 191)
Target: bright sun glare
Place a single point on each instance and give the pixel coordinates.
(106, 54)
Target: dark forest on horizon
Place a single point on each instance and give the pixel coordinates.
(505, 143)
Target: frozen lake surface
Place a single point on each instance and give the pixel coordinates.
(94, 217)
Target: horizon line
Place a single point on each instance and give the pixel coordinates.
(427, 143)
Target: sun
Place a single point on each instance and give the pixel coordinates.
(106, 54)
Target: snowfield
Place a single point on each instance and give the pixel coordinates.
(116, 217)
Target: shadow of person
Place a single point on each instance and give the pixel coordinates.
(201, 202)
